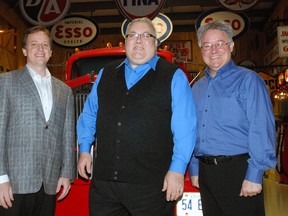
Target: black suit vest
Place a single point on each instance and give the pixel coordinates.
(134, 139)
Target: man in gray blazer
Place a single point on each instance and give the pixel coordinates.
(36, 133)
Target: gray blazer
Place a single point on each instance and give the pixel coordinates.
(32, 151)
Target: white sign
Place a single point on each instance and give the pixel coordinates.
(132, 9)
(282, 33)
(189, 205)
(239, 21)
(74, 31)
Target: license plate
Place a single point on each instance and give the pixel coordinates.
(189, 205)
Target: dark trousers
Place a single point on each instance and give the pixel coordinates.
(34, 204)
(220, 187)
(108, 198)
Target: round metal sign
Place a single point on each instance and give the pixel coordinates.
(136, 9)
(162, 24)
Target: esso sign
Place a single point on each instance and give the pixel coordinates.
(239, 21)
(74, 31)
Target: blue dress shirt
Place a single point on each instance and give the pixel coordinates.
(235, 116)
(183, 121)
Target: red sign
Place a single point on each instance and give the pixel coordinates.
(132, 9)
(239, 21)
(44, 12)
(74, 31)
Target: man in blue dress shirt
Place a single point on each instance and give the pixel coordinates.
(235, 141)
(142, 112)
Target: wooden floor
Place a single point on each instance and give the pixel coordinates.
(276, 197)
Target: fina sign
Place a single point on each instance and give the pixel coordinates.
(133, 9)
(74, 31)
(239, 21)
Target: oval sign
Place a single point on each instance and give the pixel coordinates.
(132, 9)
(74, 31)
(162, 24)
(239, 22)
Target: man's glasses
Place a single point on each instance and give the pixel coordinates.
(218, 45)
(144, 36)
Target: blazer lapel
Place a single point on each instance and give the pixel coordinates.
(55, 95)
(29, 86)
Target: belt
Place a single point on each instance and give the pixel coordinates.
(214, 160)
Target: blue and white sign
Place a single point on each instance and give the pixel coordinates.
(162, 24)
(189, 205)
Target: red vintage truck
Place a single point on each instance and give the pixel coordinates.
(81, 71)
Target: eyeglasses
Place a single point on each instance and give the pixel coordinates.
(218, 45)
(144, 36)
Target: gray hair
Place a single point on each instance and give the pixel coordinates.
(218, 25)
(145, 20)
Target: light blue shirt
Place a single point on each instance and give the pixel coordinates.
(235, 116)
(183, 121)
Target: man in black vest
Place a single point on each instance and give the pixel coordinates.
(142, 112)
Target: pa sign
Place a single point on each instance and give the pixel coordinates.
(133, 9)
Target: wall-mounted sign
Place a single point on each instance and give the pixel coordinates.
(237, 5)
(162, 24)
(43, 12)
(247, 63)
(282, 34)
(74, 31)
(132, 9)
(239, 21)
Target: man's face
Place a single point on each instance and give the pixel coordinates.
(140, 49)
(37, 50)
(216, 49)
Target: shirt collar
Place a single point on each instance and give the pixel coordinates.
(152, 62)
(222, 72)
(34, 74)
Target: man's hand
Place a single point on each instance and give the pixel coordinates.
(64, 185)
(84, 165)
(250, 189)
(173, 185)
(194, 181)
(6, 195)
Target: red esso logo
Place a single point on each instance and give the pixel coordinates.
(74, 32)
(62, 32)
(239, 22)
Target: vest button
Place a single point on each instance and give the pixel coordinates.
(46, 127)
(115, 178)
(119, 123)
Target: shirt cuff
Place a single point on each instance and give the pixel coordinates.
(254, 175)
(4, 179)
(178, 166)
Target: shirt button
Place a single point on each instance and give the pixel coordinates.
(203, 125)
(116, 172)
(115, 178)
(119, 123)
(117, 157)
(46, 127)
(123, 107)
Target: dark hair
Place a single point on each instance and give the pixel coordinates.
(34, 30)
